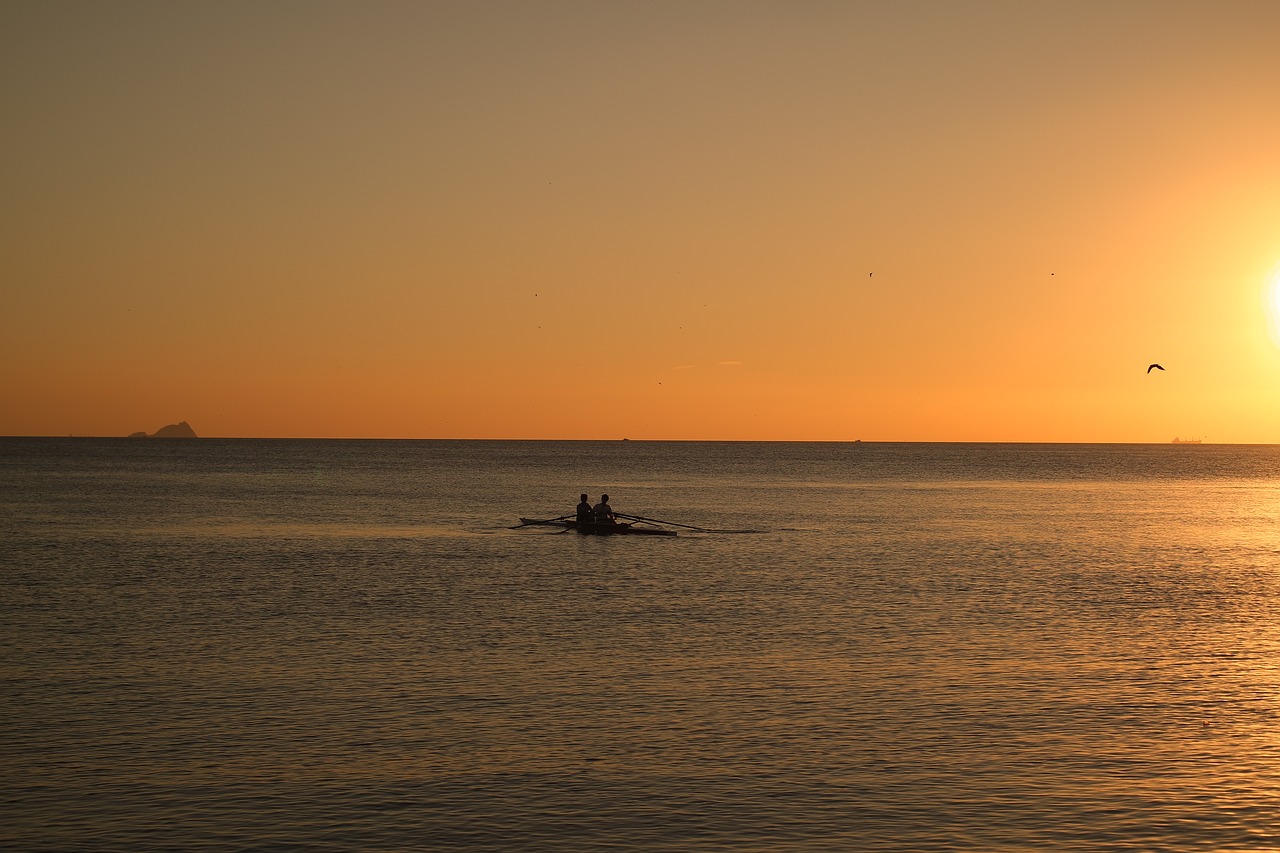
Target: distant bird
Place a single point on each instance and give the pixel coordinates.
(1154, 367)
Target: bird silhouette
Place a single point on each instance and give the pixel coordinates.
(1154, 367)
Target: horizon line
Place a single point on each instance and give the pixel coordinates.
(636, 440)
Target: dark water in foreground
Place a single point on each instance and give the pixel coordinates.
(317, 645)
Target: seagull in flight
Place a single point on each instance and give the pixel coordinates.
(1152, 367)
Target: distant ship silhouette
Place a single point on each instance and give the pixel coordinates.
(1185, 441)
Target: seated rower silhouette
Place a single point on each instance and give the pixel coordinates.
(603, 512)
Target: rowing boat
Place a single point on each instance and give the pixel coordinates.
(635, 524)
(591, 527)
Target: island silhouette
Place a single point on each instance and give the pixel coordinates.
(182, 429)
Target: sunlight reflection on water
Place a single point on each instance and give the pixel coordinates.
(933, 647)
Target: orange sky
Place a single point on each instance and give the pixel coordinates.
(954, 221)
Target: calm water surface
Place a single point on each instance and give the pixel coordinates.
(316, 645)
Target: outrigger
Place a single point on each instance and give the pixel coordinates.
(635, 525)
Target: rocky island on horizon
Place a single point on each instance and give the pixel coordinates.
(182, 429)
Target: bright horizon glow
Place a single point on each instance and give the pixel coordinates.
(919, 221)
(1271, 299)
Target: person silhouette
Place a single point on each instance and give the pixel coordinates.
(604, 512)
(585, 512)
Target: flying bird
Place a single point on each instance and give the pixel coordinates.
(1154, 367)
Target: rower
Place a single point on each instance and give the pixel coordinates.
(604, 512)
(585, 513)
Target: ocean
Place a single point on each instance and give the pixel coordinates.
(341, 645)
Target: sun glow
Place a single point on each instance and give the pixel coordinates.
(1271, 301)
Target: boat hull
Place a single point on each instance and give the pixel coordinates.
(593, 528)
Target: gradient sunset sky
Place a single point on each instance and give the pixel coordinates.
(952, 221)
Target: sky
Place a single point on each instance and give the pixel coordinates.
(695, 220)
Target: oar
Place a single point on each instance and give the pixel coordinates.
(540, 521)
(686, 526)
(660, 521)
